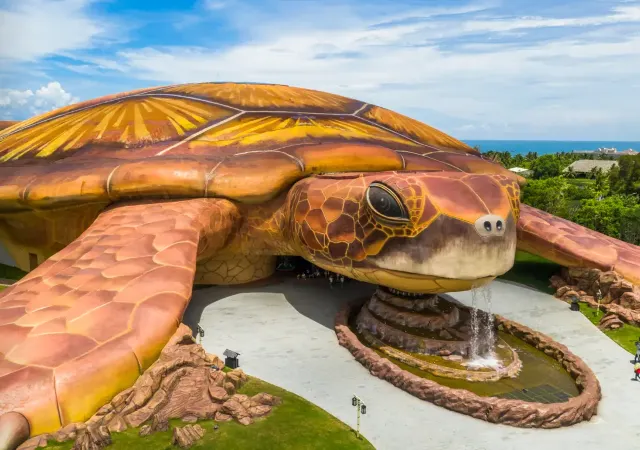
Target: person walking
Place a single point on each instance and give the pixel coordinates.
(637, 358)
(636, 370)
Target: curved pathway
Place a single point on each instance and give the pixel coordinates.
(284, 333)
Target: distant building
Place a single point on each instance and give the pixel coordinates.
(522, 172)
(612, 151)
(584, 166)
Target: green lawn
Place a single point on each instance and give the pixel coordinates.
(532, 271)
(11, 273)
(581, 181)
(535, 272)
(295, 424)
(625, 337)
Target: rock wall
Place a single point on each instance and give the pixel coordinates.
(618, 296)
(184, 383)
(492, 409)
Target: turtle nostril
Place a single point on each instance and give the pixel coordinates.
(487, 225)
(499, 225)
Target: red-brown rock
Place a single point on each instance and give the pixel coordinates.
(185, 437)
(563, 290)
(266, 399)
(181, 384)
(222, 417)
(93, 438)
(117, 424)
(606, 280)
(610, 321)
(218, 394)
(557, 282)
(235, 409)
(630, 300)
(618, 288)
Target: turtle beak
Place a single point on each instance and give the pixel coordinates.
(485, 248)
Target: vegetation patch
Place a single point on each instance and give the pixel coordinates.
(10, 272)
(295, 424)
(625, 336)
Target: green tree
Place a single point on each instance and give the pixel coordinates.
(569, 172)
(548, 194)
(605, 215)
(625, 178)
(630, 225)
(602, 182)
(546, 166)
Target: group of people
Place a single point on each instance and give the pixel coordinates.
(316, 272)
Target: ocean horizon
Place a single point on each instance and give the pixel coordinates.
(546, 147)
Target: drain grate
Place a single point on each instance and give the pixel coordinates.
(544, 393)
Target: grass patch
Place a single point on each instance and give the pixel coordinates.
(581, 181)
(295, 424)
(625, 337)
(533, 271)
(10, 272)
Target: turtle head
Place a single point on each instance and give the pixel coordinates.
(423, 232)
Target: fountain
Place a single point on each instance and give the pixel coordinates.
(467, 359)
(437, 335)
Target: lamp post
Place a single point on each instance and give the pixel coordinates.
(362, 408)
(200, 332)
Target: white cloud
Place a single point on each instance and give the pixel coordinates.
(216, 4)
(31, 29)
(468, 69)
(568, 85)
(14, 103)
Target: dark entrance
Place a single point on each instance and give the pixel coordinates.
(33, 261)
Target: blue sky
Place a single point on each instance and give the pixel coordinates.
(494, 69)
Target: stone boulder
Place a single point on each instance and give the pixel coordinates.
(610, 321)
(585, 279)
(618, 288)
(606, 280)
(265, 399)
(630, 300)
(563, 290)
(93, 438)
(68, 432)
(185, 437)
(557, 282)
(237, 410)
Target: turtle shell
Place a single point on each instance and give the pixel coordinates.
(247, 142)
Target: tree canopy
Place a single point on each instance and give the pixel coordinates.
(608, 202)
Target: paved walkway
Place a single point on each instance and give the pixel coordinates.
(284, 333)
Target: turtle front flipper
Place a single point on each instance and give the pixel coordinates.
(572, 245)
(86, 323)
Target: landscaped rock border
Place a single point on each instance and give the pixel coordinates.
(184, 383)
(619, 296)
(492, 409)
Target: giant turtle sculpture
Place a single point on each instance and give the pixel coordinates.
(124, 201)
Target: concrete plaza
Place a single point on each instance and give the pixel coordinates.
(284, 333)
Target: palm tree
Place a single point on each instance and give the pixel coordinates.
(569, 172)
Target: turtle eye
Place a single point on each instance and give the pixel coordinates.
(385, 203)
